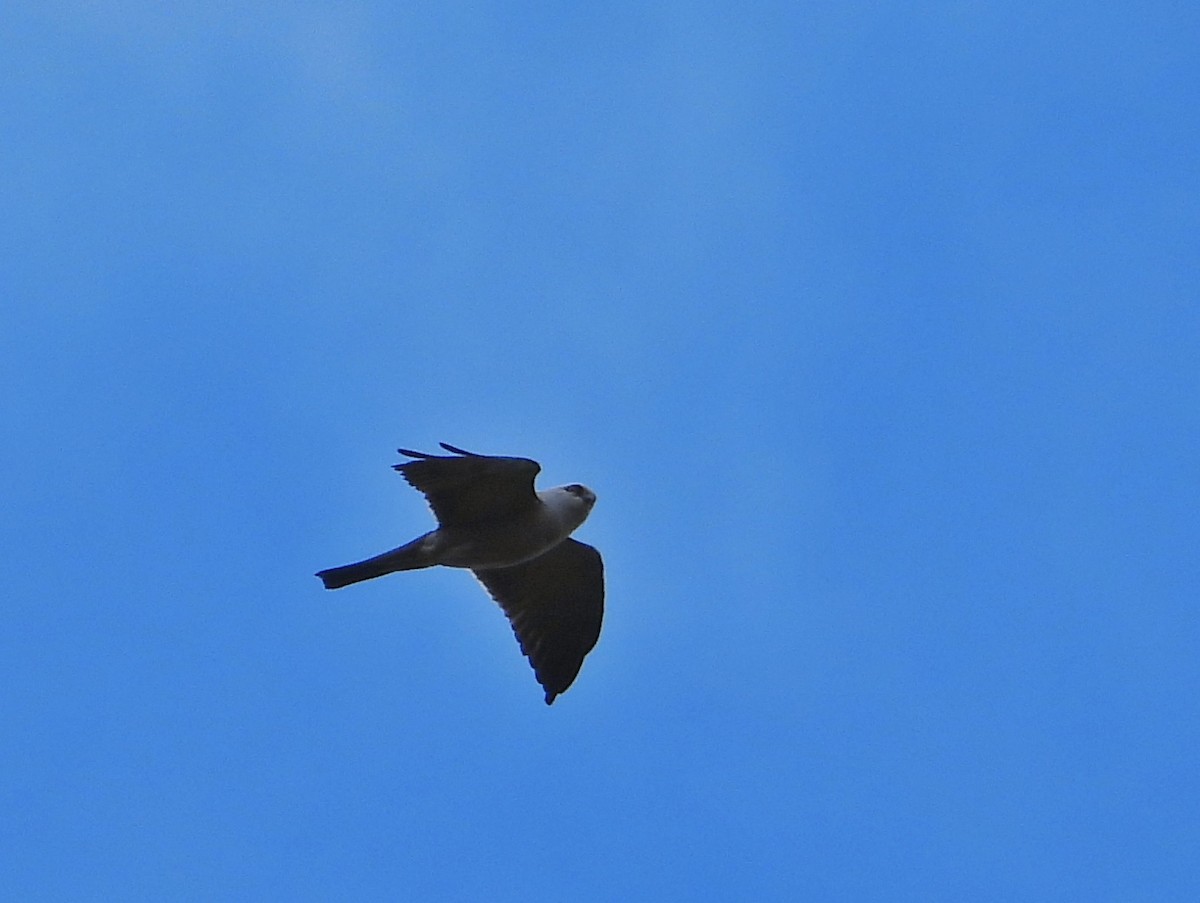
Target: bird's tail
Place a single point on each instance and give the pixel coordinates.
(409, 556)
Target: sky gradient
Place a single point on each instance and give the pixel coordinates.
(874, 327)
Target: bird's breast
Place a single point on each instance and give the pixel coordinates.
(500, 544)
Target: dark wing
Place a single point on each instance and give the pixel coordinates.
(555, 603)
(469, 488)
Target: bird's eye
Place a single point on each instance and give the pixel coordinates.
(575, 489)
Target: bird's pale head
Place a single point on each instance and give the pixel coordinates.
(584, 495)
(572, 503)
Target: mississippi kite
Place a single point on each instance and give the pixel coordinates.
(516, 541)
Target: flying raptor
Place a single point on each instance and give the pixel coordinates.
(516, 541)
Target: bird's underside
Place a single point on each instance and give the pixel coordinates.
(516, 542)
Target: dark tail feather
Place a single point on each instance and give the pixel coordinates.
(406, 558)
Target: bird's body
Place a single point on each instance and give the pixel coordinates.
(502, 543)
(516, 542)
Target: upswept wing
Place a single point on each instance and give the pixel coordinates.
(555, 604)
(469, 488)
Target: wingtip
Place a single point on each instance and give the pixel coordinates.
(458, 451)
(550, 697)
(447, 446)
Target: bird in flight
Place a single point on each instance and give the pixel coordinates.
(516, 541)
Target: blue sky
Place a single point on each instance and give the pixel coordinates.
(874, 326)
